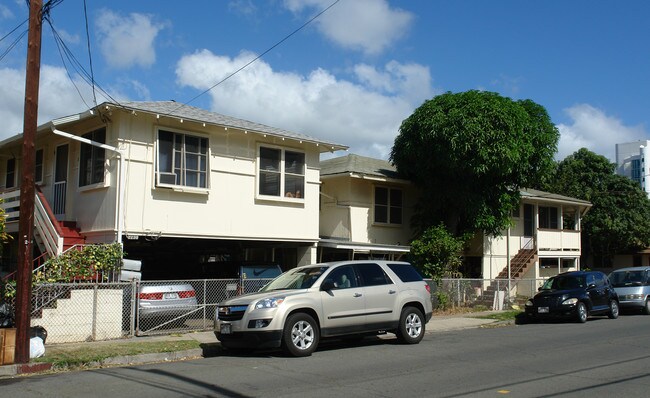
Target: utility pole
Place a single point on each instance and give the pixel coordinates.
(27, 189)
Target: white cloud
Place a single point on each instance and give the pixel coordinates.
(365, 115)
(591, 128)
(5, 12)
(126, 41)
(57, 97)
(367, 25)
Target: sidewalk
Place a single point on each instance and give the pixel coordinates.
(210, 344)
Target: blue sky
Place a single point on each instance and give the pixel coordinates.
(353, 74)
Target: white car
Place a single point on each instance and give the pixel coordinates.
(323, 300)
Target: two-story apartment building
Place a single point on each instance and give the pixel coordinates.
(544, 240)
(366, 209)
(183, 188)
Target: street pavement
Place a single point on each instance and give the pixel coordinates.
(437, 324)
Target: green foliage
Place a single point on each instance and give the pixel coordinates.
(442, 299)
(437, 253)
(470, 153)
(619, 220)
(87, 263)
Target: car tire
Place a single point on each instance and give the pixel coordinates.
(581, 312)
(301, 335)
(411, 326)
(613, 309)
(646, 307)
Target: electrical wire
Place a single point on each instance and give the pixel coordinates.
(90, 57)
(256, 58)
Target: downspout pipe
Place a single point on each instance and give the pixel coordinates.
(121, 176)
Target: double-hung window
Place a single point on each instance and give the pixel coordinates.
(388, 205)
(10, 173)
(281, 173)
(182, 160)
(92, 158)
(38, 169)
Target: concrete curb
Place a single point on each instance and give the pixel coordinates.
(152, 358)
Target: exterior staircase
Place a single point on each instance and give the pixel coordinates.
(519, 266)
(51, 236)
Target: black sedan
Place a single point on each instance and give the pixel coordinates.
(574, 295)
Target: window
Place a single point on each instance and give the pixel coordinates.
(92, 158)
(636, 170)
(373, 275)
(343, 277)
(548, 217)
(405, 272)
(182, 160)
(38, 170)
(10, 177)
(281, 173)
(388, 205)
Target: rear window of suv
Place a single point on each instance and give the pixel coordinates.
(405, 272)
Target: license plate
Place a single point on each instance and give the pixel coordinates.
(226, 328)
(170, 296)
(542, 310)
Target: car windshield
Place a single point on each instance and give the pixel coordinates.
(564, 283)
(299, 278)
(627, 278)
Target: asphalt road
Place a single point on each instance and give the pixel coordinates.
(600, 358)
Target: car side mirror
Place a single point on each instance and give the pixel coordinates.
(591, 286)
(327, 285)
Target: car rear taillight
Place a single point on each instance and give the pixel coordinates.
(428, 288)
(151, 296)
(187, 294)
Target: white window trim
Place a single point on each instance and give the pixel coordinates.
(280, 198)
(374, 206)
(105, 183)
(180, 188)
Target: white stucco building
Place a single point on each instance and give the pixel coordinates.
(631, 162)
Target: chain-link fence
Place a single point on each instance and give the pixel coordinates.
(75, 312)
(491, 294)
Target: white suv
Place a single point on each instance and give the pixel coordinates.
(306, 303)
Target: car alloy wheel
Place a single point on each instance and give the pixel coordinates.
(613, 309)
(301, 335)
(582, 312)
(411, 328)
(646, 308)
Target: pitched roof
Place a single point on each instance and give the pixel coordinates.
(553, 197)
(359, 165)
(187, 112)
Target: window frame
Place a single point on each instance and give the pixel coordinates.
(94, 150)
(39, 179)
(550, 221)
(13, 173)
(181, 187)
(283, 195)
(389, 206)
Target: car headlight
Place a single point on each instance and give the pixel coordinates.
(529, 303)
(571, 301)
(271, 302)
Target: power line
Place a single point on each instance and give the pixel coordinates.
(90, 57)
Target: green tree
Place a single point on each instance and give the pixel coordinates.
(619, 220)
(436, 253)
(469, 153)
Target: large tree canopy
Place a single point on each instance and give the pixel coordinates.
(619, 220)
(470, 153)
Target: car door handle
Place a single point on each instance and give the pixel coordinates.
(392, 292)
(358, 294)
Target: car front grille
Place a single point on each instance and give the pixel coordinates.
(232, 313)
(547, 301)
